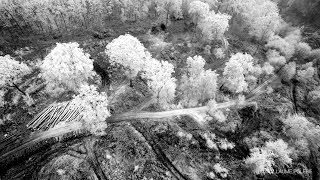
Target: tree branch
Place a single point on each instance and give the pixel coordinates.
(17, 87)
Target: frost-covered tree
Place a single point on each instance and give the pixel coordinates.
(260, 16)
(260, 161)
(127, 51)
(267, 68)
(280, 151)
(94, 108)
(219, 53)
(66, 67)
(306, 73)
(303, 134)
(274, 58)
(280, 44)
(289, 71)
(160, 80)
(167, 8)
(223, 172)
(293, 36)
(198, 84)
(237, 68)
(11, 72)
(264, 19)
(289, 45)
(303, 50)
(198, 10)
(306, 8)
(298, 126)
(133, 9)
(274, 154)
(213, 26)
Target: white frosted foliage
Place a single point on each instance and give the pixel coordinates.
(11, 70)
(95, 108)
(160, 80)
(127, 51)
(198, 84)
(234, 73)
(66, 67)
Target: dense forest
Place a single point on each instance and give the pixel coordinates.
(160, 89)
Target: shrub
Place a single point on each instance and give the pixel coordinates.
(66, 67)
